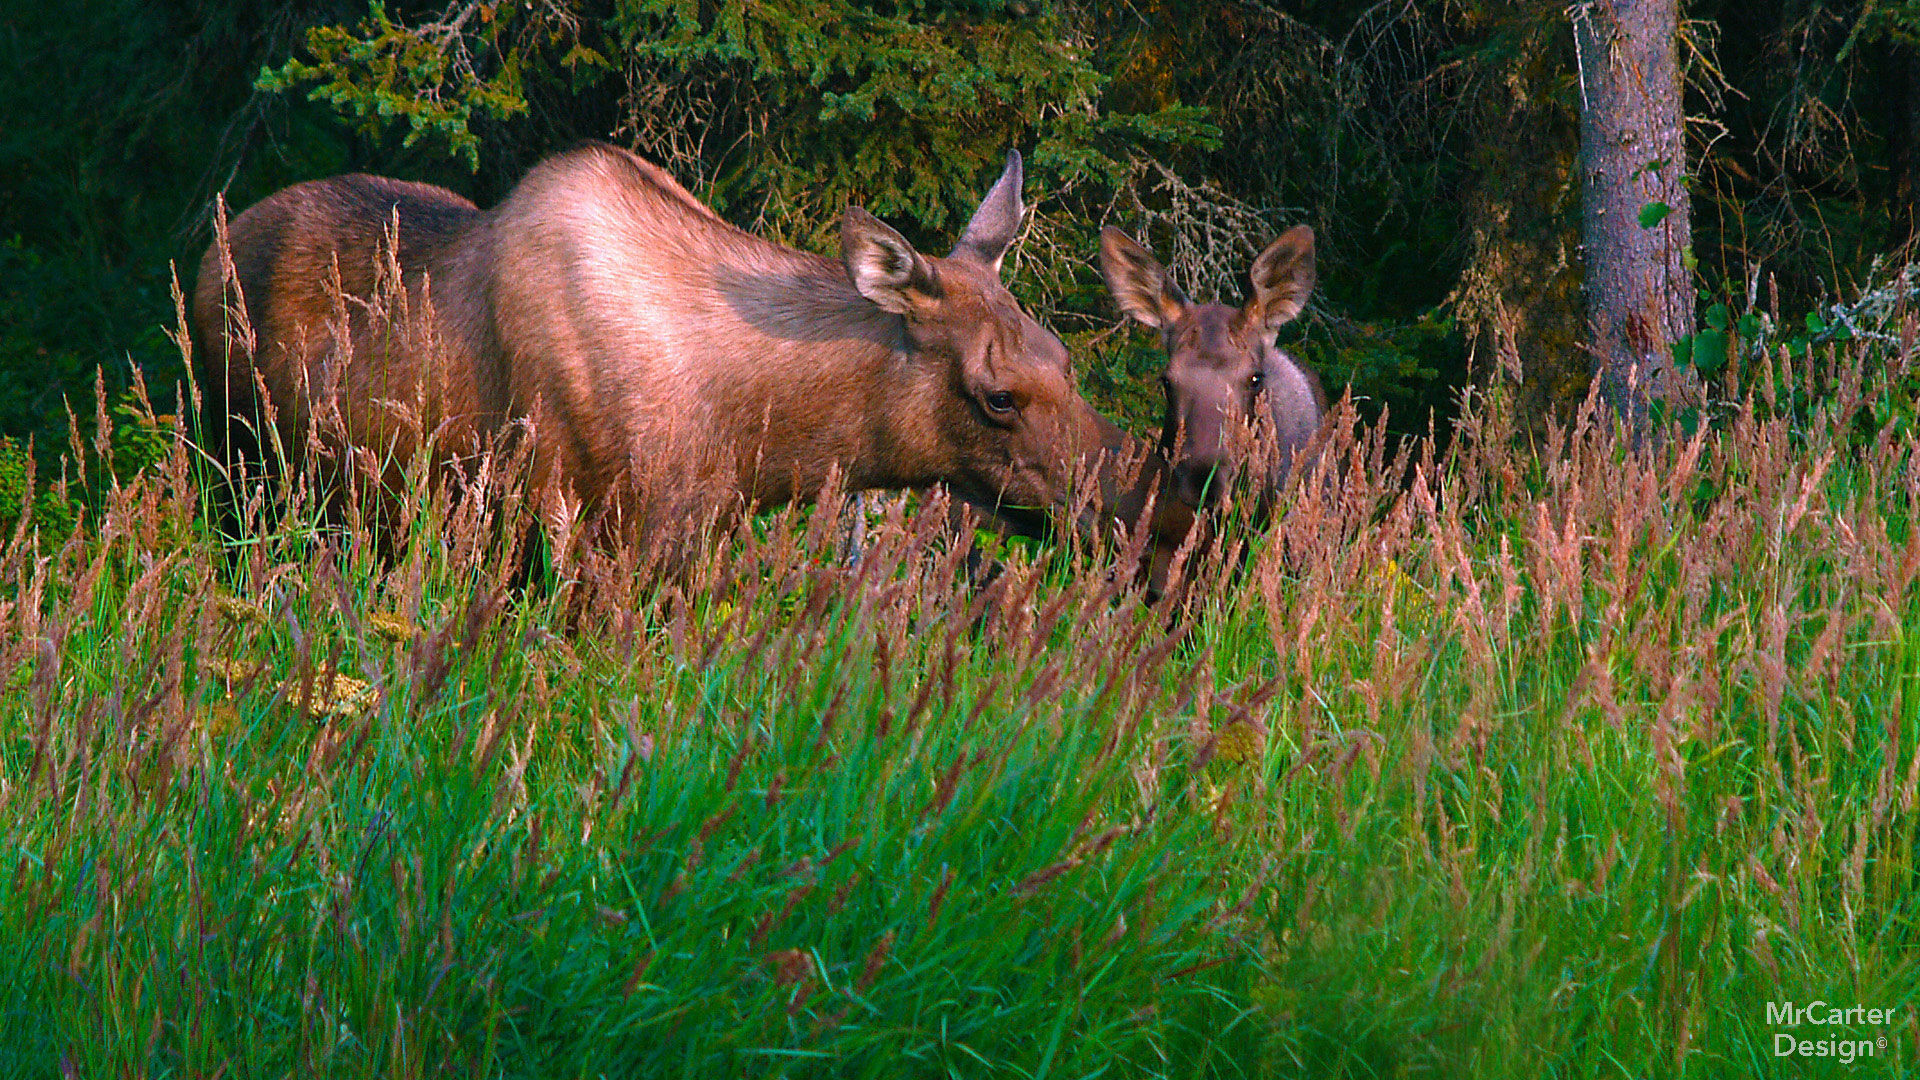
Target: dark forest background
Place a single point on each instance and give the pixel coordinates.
(1432, 145)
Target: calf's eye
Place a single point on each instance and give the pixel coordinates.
(1000, 401)
(1257, 380)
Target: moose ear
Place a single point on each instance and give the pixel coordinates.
(996, 222)
(882, 265)
(1283, 278)
(1138, 282)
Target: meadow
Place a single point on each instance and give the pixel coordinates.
(1540, 760)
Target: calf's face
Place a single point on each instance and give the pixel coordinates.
(1222, 361)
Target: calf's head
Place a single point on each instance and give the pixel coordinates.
(1224, 372)
(991, 399)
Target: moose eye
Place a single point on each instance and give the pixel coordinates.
(1000, 401)
(1257, 380)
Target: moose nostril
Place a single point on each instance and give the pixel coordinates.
(1199, 482)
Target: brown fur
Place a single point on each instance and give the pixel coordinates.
(634, 328)
(1224, 373)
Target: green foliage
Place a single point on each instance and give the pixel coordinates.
(1401, 363)
(140, 440)
(902, 108)
(1782, 363)
(382, 73)
(48, 510)
(137, 443)
(1814, 178)
(1120, 369)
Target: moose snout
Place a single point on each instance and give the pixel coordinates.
(1197, 442)
(1198, 478)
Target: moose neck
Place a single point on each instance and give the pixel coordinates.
(825, 381)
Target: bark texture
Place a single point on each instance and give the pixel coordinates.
(1519, 297)
(1632, 156)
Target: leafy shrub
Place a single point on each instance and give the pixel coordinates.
(50, 512)
(1743, 349)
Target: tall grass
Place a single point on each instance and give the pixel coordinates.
(1557, 762)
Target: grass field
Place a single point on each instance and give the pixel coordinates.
(1556, 763)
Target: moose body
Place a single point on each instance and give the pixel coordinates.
(624, 325)
(1226, 378)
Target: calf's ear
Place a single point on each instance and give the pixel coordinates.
(1139, 284)
(1283, 278)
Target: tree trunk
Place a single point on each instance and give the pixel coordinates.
(1518, 299)
(1632, 158)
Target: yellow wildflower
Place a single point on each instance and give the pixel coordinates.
(1239, 744)
(392, 626)
(334, 695)
(1402, 590)
(238, 609)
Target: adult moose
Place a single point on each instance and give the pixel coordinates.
(627, 322)
(1224, 372)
